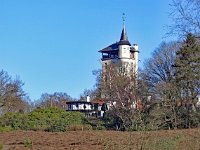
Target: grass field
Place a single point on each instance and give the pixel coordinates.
(101, 140)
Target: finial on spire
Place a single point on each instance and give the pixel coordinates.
(123, 18)
(124, 38)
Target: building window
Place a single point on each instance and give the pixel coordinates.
(76, 105)
(84, 106)
(91, 107)
(69, 107)
(95, 107)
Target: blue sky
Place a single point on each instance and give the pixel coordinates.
(53, 44)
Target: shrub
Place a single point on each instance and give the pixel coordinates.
(96, 123)
(14, 120)
(5, 128)
(28, 143)
(79, 127)
(54, 119)
(48, 119)
(1, 146)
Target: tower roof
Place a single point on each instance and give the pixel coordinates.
(124, 38)
(123, 41)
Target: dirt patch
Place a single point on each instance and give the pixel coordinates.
(100, 140)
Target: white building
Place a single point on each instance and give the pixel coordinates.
(96, 107)
(79, 106)
(122, 54)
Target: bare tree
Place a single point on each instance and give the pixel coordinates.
(12, 96)
(159, 75)
(185, 15)
(91, 93)
(57, 99)
(97, 87)
(159, 68)
(119, 91)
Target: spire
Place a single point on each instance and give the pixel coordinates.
(123, 34)
(124, 37)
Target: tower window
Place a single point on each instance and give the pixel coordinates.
(106, 66)
(106, 78)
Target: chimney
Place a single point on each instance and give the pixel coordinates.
(88, 99)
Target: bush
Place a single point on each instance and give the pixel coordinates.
(54, 119)
(56, 126)
(1, 146)
(48, 119)
(28, 143)
(79, 127)
(14, 120)
(95, 123)
(5, 129)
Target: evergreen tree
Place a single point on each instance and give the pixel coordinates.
(188, 68)
(188, 75)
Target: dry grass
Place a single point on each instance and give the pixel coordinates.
(103, 140)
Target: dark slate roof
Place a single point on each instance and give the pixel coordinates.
(132, 49)
(124, 38)
(123, 41)
(111, 47)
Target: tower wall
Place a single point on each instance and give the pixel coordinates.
(136, 58)
(129, 65)
(124, 51)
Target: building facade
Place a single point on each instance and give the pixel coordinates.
(95, 108)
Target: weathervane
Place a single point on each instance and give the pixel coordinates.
(123, 17)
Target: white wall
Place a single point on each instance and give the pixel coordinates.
(124, 51)
(80, 106)
(136, 57)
